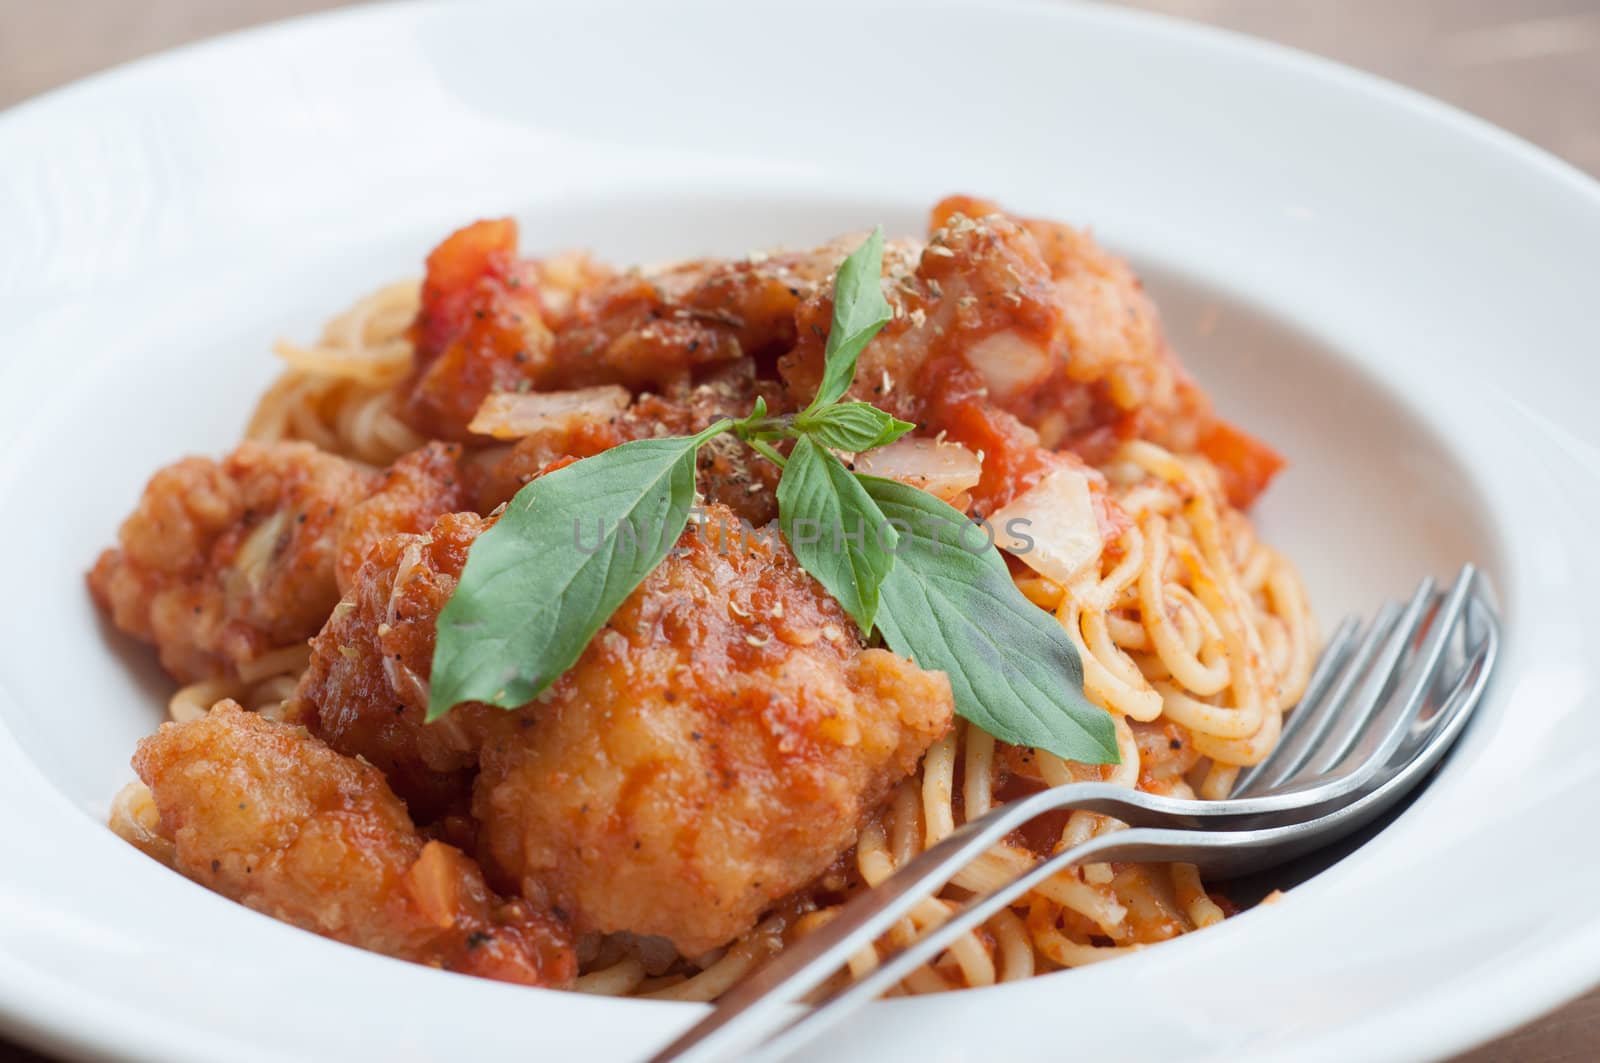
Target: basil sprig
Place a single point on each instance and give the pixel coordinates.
(859, 311)
(573, 544)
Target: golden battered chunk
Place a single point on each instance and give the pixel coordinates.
(265, 814)
(714, 750)
(222, 562)
(414, 492)
(367, 686)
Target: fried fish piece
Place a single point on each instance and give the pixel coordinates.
(225, 561)
(269, 816)
(714, 750)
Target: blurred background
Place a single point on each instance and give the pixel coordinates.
(1531, 66)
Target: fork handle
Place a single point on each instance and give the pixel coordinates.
(1137, 844)
(760, 1004)
(1145, 844)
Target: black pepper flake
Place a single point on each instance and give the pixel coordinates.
(216, 865)
(1176, 743)
(694, 736)
(477, 939)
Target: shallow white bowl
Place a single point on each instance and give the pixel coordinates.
(1398, 295)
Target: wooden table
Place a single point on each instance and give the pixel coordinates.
(1532, 66)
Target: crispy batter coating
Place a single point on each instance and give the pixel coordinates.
(412, 493)
(224, 561)
(367, 686)
(714, 750)
(265, 814)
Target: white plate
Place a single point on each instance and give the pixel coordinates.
(1398, 295)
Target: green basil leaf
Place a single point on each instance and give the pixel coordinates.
(859, 311)
(852, 426)
(949, 604)
(565, 553)
(835, 529)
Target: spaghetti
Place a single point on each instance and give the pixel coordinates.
(1195, 637)
(339, 394)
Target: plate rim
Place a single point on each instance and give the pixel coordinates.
(1538, 988)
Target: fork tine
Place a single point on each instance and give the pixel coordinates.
(1384, 737)
(1422, 754)
(1391, 723)
(1312, 702)
(1369, 696)
(1292, 752)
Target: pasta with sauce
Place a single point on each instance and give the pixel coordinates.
(695, 750)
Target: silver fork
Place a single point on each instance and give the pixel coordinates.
(1359, 741)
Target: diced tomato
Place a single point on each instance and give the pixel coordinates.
(1246, 464)
(1013, 460)
(479, 330)
(482, 249)
(435, 883)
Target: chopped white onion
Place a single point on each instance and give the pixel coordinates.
(942, 469)
(1051, 526)
(513, 415)
(1010, 364)
(257, 553)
